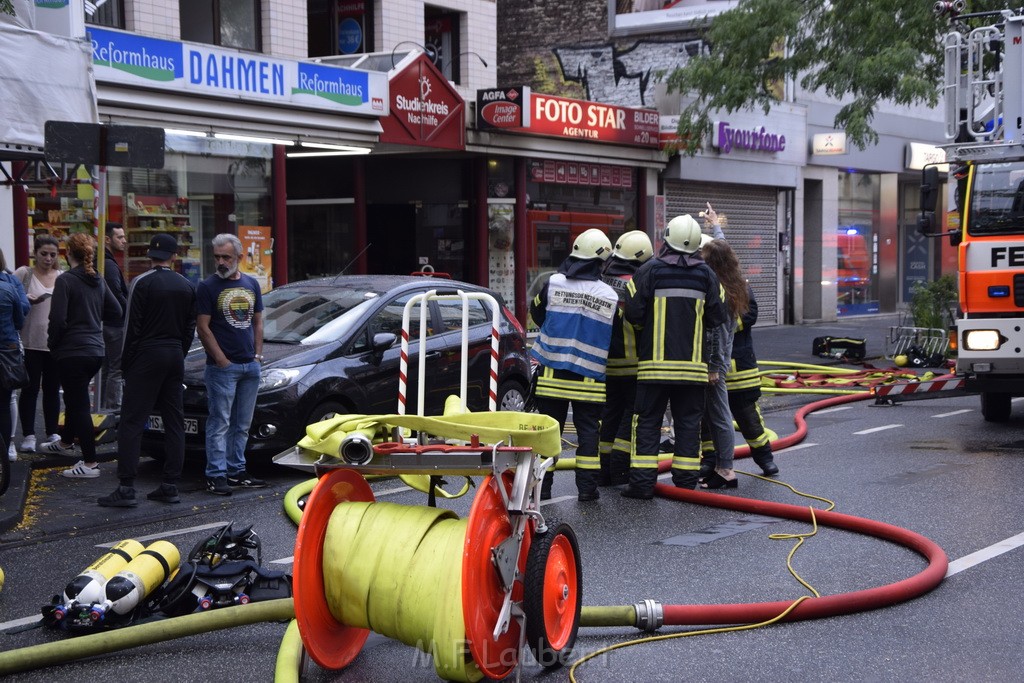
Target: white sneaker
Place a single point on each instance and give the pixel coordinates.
(12, 454)
(82, 471)
(57, 448)
(28, 444)
(53, 437)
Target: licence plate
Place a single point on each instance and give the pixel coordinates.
(156, 424)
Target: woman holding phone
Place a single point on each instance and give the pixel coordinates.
(38, 281)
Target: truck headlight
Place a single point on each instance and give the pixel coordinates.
(982, 340)
(279, 378)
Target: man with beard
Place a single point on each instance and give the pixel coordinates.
(230, 325)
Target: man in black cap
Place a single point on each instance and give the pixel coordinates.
(159, 327)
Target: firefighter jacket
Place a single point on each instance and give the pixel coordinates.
(673, 299)
(622, 352)
(743, 373)
(575, 312)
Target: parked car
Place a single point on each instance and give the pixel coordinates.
(332, 346)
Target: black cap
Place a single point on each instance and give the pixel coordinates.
(162, 247)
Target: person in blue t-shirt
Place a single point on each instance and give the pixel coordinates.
(230, 326)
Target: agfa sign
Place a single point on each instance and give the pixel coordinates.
(425, 109)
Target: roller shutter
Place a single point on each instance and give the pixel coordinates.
(752, 230)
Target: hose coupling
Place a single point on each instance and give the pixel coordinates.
(650, 615)
(356, 449)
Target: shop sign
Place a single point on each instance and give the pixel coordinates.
(726, 138)
(592, 121)
(503, 108)
(827, 144)
(579, 173)
(131, 59)
(918, 155)
(425, 109)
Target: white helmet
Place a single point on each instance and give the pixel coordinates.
(634, 245)
(683, 234)
(592, 244)
(704, 239)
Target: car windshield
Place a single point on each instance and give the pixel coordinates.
(312, 315)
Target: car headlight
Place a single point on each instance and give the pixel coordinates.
(982, 340)
(279, 378)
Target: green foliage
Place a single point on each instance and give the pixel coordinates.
(933, 304)
(7, 7)
(544, 83)
(860, 52)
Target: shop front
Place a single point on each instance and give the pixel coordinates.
(229, 119)
(555, 168)
(749, 173)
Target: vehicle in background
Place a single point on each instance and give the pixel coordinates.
(332, 346)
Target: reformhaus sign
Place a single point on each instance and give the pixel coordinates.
(130, 59)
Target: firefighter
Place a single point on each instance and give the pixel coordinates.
(575, 310)
(632, 249)
(672, 299)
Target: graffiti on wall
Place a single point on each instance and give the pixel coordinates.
(625, 77)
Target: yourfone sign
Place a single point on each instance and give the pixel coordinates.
(130, 59)
(425, 109)
(726, 137)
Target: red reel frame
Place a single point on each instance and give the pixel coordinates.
(330, 644)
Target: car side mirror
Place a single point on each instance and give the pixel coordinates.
(382, 341)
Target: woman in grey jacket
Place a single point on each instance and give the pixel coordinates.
(81, 303)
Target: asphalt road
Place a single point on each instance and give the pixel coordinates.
(934, 467)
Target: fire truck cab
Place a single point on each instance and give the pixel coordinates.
(984, 68)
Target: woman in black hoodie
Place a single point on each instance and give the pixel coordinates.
(81, 303)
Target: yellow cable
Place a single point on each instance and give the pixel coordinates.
(670, 636)
(744, 627)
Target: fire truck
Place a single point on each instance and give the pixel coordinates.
(984, 119)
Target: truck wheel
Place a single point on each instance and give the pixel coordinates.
(995, 407)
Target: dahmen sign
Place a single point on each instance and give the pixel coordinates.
(425, 109)
(566, 118)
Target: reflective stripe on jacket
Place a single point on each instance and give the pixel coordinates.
(577, 326)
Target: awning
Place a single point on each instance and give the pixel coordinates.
(138, 107)
(45, 77)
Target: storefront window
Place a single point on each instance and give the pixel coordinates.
(857, 243)
(566, 198)
(340, 27)
(61, 207)
(206, 187)
(105, 13)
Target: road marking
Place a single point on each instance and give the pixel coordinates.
(830, 410)
(391, 492)
(976, 558)
(20, 622)
(878, 429)
(955, 412)
(797, 447)
(165, 534)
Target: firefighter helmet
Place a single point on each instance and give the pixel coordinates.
(634, 245)
(683, 234)
(592, 244)
(704, 239)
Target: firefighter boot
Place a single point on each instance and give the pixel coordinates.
(545, 486)
(764, 459)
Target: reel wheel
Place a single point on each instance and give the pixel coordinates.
(553, 594)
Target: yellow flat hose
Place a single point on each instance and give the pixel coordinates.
(289, 656)
(397, 570)
(58, 652)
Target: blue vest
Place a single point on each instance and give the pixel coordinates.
(577, 329)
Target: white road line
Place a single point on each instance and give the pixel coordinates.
(797, 447)
(165, 534)
(955, 412)
(20, 622)
(391, 492)
(878, 429)
(976, 558)
(830, 410)
(284, 560)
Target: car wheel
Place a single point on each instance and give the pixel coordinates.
(511, 396)
(325, 410)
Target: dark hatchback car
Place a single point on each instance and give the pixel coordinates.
(332, 346)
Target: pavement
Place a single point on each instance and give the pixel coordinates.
(780, 343)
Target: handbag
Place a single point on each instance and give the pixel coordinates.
(13, 373)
